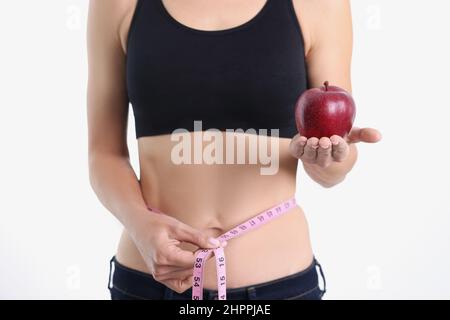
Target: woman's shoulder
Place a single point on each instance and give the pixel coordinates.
(322, 7)
(112, 17)
(320, 18)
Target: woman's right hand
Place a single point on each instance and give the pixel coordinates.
(158, 239)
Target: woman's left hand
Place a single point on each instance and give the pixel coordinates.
(325, 151)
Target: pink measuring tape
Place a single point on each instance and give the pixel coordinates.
(203, 254)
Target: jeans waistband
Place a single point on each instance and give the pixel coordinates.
(307, 278)
(140, 284)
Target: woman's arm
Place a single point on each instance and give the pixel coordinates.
(327, 31)
(110, 171)
(157, 236)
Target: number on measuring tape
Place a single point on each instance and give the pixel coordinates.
(198, 262)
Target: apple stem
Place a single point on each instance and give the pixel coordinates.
(326, 83)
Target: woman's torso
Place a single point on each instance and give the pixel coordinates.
(217, 197)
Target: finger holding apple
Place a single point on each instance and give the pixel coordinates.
(324, 118)
(321, 151)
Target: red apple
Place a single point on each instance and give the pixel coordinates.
(325, 111)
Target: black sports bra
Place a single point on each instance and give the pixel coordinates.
(245, 77)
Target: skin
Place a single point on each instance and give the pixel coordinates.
(203, 201)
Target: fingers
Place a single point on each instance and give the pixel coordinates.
(173, 255)
(354, 135)
(340, 148)
(368, 135)
(324, 158)
(167, 273)
(321, 151)
(179, 257)
(173, 266)
(297, 145)
(186, 233)
(310, 150)
(179, 285)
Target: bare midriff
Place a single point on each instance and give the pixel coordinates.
(217, 197)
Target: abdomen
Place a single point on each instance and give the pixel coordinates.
(215, 198)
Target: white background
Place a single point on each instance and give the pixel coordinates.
(382, 234)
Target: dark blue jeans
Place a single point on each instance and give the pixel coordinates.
(128, 284)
